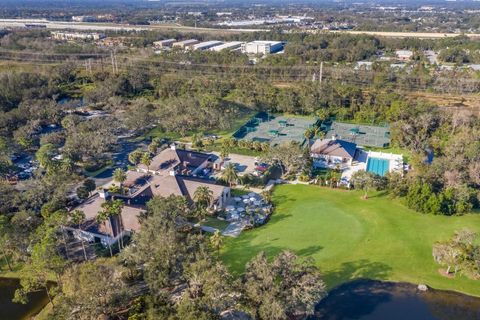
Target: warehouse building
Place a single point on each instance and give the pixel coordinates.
(164, 43)
(206, 45)
(262, 47)
(232, 45)
(185, 44)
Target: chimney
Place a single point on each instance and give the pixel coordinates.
(334, 137)
(172, 173)
(173, 147)
(103, 194)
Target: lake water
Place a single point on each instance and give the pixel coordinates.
(17, 311)
(375, 300)
(361, 300)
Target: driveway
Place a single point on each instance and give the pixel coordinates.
(234, 229)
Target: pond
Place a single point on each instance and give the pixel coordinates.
(17, 311)
(376, 300)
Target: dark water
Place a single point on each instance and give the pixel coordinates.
(16, 311)
(375, 300)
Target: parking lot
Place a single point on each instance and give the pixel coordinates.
(244, 164)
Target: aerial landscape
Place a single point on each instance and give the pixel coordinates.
(226, 159)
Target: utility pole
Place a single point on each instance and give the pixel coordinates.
(115, 58)
(90, 65)
(113, 62)
(321, 72)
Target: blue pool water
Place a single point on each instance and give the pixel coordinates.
(378, 166)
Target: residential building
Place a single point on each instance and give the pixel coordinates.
(333, 151)
(60, 35)
(185, 44)
(364, 65)
(206, 45)
(262, 47)
(404, 55)
(183, 162)
(164, 43)
(171, 172)
(106, 232)
(232, 45)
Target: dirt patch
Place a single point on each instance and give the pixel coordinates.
(444, 273)
(451, 101)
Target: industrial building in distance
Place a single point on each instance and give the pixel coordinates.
(164, 43)
(206, 45)
(232, 45)
(250, 48)
(185, 44)
(262, 47)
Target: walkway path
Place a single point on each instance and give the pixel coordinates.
(234, 229)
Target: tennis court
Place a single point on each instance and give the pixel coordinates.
(363, 135)
(275, 129)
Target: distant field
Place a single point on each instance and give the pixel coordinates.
(350, 238)
(423, 35)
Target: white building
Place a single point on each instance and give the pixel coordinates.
(363, 65)
(164, 43)
(60, 35)
(262, 47)
(83, 18)
(206, 45)
(404, 55)
(227, 46)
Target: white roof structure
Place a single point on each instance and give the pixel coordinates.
(227, 46)
(185, 43)
(206, 45)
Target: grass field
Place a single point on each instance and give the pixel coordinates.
(350, 238)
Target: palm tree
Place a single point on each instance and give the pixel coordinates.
(224, 151)
(309, 134)
(119, 176)
(229, 175)
(134, 157)
(216, 241)
(145, 160)
(203, 197)
(257, 145)
(76, 217)
(112, 209)
(153, 147)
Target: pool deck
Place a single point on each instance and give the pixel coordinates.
(361, 159)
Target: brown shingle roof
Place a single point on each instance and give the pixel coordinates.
(134, 178)
(336, 148)
(167, 159)
(165, 186)
(92, 206)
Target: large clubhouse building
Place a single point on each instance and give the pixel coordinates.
(346, 156)
(171, 172)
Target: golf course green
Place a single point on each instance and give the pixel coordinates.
(349, 237)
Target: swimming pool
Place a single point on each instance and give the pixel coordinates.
(378, 166)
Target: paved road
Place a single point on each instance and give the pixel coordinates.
(4, 23)
(422, 35)
(120, 160)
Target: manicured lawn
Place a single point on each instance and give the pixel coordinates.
(349, 238)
